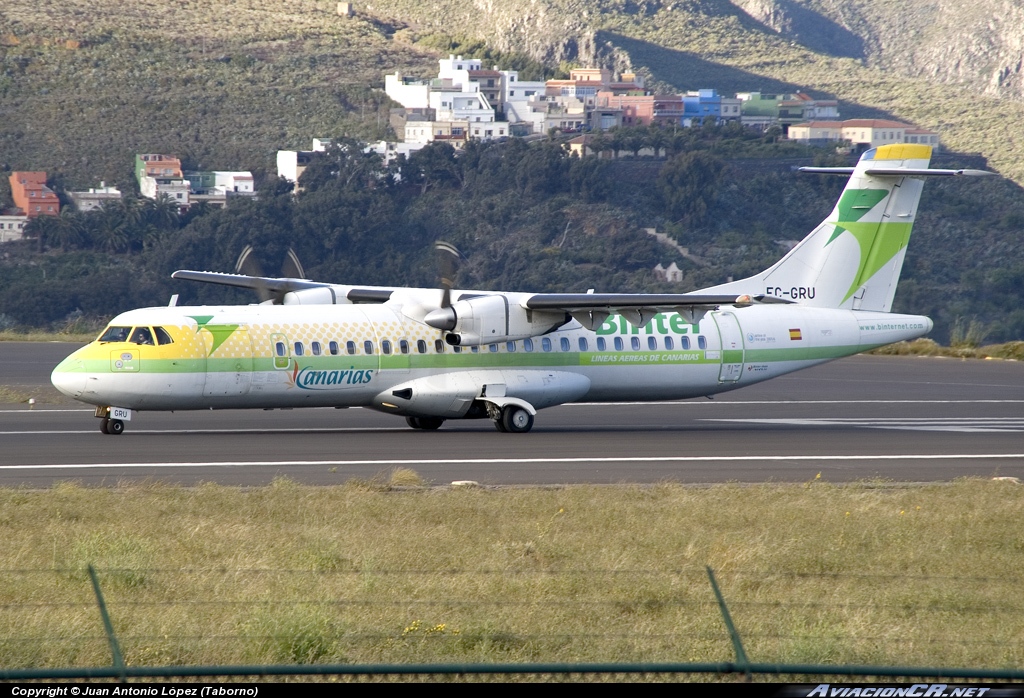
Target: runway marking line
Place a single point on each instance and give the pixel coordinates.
(526, 461)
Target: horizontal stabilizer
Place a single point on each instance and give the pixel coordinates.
(896, 172)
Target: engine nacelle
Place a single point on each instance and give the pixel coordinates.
(489, 319)
(325, 295)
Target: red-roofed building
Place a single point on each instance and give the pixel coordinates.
(32, 196)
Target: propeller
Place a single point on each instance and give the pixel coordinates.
(248, 265)
(420, 309)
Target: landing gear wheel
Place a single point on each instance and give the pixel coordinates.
(424, 423)
(105, 425)
(116, 426)
(516, 420)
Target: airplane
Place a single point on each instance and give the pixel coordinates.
(437, 354)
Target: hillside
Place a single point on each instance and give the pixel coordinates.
(84, 85)
(887, 59)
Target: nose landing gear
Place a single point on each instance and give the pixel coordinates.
(114, 427)
(111, 421)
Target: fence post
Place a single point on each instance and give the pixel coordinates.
(737, 645)
(115, 648)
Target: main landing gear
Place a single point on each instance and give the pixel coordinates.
(425, 423)
(514, 419)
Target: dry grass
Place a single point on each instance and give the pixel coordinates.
(288, 573)
(43, 395)
(42, 336)
(1011, 351)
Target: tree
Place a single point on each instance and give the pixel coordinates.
(434, 165)
(688, 185)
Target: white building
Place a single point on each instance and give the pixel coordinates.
(177, 189)
(391, 151)
(12, 226)
(95, 198)
(457, 96)
(292, 163)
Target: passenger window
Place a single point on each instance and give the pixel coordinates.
(669, 344)
(298, 349)
(141, 335)
(510, 346)
(702, 342)
(652, 343)
(368, 347)
(385, 346)
(602, 345)
(421, 346)
(439, 346)
(162, 337)
(403, 346)
(635, 343)
(584, 344)
(684, 342)
(317, 348)
(619, 346)
(350, 347)
(528, 344)
(457, 349)
(335, 350)
(492, 347)
(281, 358)
(564, 343)
(545, 344)
(475, 349)
(116, 334)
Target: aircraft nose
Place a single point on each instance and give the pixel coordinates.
(68, 377)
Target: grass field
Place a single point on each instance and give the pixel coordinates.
(367, 572)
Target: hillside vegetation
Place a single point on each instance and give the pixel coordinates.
(84, 86)
(527, 218)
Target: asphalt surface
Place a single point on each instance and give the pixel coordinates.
(903, 419)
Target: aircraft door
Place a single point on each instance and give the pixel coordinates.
(732, 346)
(228, 360)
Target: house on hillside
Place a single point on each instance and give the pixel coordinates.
(862, 134)
(94, 198)
(32, 196)
(12, 224)
(160, 175)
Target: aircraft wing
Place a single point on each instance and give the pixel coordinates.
(591, 309)
(255, 283)
(279, 287)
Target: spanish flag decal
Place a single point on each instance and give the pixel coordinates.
(795, 335)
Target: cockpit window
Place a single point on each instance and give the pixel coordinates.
(141, 335)
(116, 334)
(162, 336)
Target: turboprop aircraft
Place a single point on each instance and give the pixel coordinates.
(432, 355)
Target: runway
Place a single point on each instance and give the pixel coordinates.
(902, 419)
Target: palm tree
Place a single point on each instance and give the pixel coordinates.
(68, 229)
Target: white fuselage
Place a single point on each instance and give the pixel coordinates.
(367, 355)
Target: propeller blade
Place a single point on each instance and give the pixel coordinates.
(248, 264)
(292, 267)
(448, 263)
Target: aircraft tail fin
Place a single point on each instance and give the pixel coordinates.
(854, 257)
